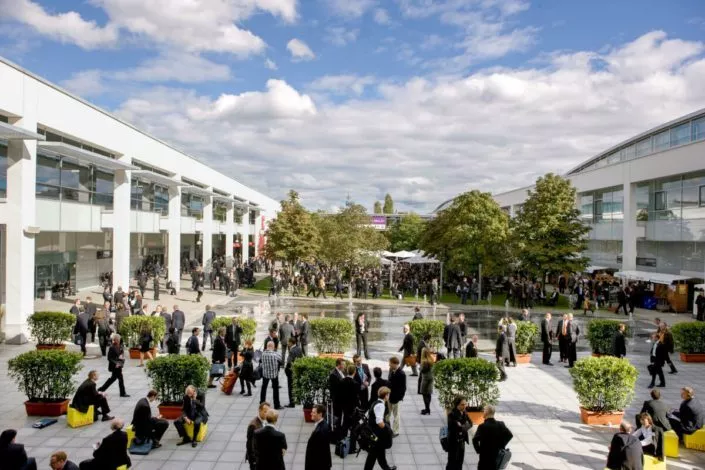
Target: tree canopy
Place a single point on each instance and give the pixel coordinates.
(377, 209)
(405, 234)
(388, 204)
(292, 235)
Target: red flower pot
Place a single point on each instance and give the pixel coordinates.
(601, 418)
(41, 408)
(170, 411)
(47, 347)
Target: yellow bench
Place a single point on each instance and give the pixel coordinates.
(130, 435)
(696, 440)
(652, 463)
(670, 444)
(188, 427)
(122, 467)
(76, 419)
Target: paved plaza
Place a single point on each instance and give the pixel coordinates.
(537, 403)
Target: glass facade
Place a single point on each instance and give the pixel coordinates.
(3, 170)
(191, 206)
(67, 181)
(149, 197)
(220, 211)
(604, 211)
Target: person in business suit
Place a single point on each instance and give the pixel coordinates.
(363, 378)
(573, 335)
(380, 426)
(665, 332)
(207, 322)
(458, 427)
(76, 307)
(501, 352)
(233, 338)
(270, 444)
(690, 416)
(335, 378)
(562, 335)
(91, 309)
(304, 330)
(471, 347)
(426, 380)
(511, 333)
(254, 425)
(178, 319)
(650, 437)
(192, 346)
(625, 450)
(397, 381)
(112, 451)
(362, 326)
(13, 455)
(490, 437)
(87, 395)
(147, 426)
(657, 409)
(81, 329)
(156, 286)
(116, 361)
(547, 339)
(657, 360)
(60, 461)
(348, 394)
(619, 342)
(294, 354)
(378, 383)
(407, 346)
(194, 411)
(452, 338)
(318, 447)
(286, 331)
(168, 323)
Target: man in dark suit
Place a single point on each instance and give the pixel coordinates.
(657, 360)
(397, 381)
(471, 348)
(273, 337)
(690, 417)
(294, 354)
(116, 361)
(87, 395)
(490, 437)
(304, 330)
(547, 339)
(562, 335)
(270, 444)
(256, 424)
(60, 461)
(363, 378)
(619, 342)
(81, 329)
(192, 346)
(286, 331)
(573, 335)
(362, 326)
(348, 394)
(178, 320)
(233, 338)
(76, 307)
(378, 383)
(194, 411)
(167, 321)
(501, 351)
(657, 409)
(334, 380)
(454, 341)
(14, 455)
(207, 322)
(625, 450)
(318, 447)
(407, 346)
(112, 452)
(91, 309)
(145, 425)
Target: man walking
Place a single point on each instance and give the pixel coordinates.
(178, 319)
(619, 342)
(256, 424)
(270, 444)
(380, 427)
(207, 322)
(362, 326)
(318, 447)
(116, 361)
(397, 380)
(408, 347)
(491, 437)
(271, 361)
(547, 339)
(233, 336)
(657, 360)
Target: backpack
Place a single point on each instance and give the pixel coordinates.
(443, 437)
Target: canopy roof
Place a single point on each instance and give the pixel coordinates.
(10, 132)
(420, 260)
(656, 278)
(591, 269)
(403, 254)
(84, 156)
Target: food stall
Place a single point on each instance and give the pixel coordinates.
(669, 291)
(698, 289)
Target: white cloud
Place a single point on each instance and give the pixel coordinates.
(86, 83)
(176, 66)
(381, 16)
(299, 50)
(342, 84)
(350, 8)
(270, 64)
(340, 36)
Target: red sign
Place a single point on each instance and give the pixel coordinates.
(263, 219)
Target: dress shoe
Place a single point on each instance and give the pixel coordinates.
(183, 441)
(278, 407)
(661, 385)
(193, 443)
(243, 392)
(548, 363)
(156, 445)
(290, 405)
(673, 372)
(650, 386)
(106, 418)
(125, 396)
(393, 467)
(212, 386)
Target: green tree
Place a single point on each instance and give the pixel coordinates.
(472, 230)
(388, 204)
(377, 208)
(405, 233)
(292, 235)
(549, 235)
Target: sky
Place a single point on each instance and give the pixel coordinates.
(422, 99)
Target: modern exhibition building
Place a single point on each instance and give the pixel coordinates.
(83, 193)
(644, 199)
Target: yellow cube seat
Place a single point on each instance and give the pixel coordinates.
(652, 463)
(188, 427)
(122, 467)
(76, 419)
(670, 444)
(130, 435)
(696, 440)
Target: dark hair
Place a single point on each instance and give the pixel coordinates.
(151, 393)
(377, 372)
(320, 409)
(655, 394)
(6, 437)
(193, 332)
(172, 330)
(394, 360)
(339, 361)
(457, 401)
(292, 341)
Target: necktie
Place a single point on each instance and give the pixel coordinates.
(565, 328)
(361, 373)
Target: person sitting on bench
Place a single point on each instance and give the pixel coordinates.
(145, 425)
(87, 395)
(194, 411)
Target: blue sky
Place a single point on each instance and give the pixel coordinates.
(419, 98)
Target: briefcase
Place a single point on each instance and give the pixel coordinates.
(503, 458)
(217, 370)
(342, 448)
(410, 360)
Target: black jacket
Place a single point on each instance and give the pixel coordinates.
(254, 425)
(167, 319)
(374, 388)
(86, 395)
(192, 346)
(408, 345)
(490, 437)
(193, 408)
(233, 334)
(334, 381)
(366, 324)
(501, 349)
(218, 350)
(658, 410)
(172, 344)
(625, 453)
(114, 360)
(546, 331)
(13, 457)
(691, 415)
(619, 345)
(661, 355)
(419, 350)
(470, 350)
(207, 320)
(348, 394)
(453, 336)
(142, 418)
(81, 326)
(304, 330)
(112, 452)
(458, 426)
(318, 448)
(178, 319)
(269, 443)
(397, 381)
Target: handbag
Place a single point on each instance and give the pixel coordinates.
(217, 370)
(257, 373)
(503, 458)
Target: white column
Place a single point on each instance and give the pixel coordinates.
(243, 231)
(629, 227)
(121, 228)
(21, 214)
(174, 253)
(257, 231)
(229, 231)
(207, 235)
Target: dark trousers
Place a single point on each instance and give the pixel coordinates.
(103, 343)
(179, 425)
(206, 335)
(502, 372)
(427, 401)
(572, 353)
(275, 390)
(290, 384)
(242, 385)
(198, 297)
(512, 356)
(116, 375)
(456, 456)
(84, 339)
(156, 294)
(657, 370)
(624, 306)
(285, 348)
(303, 349)
(547, 351)
(178, 332)
(92, 326)
(670, 364)
(100, 404)
(361, 339)
(157, 429)
(376, 455)
(676, 424)
(563, 347)
(31, 464)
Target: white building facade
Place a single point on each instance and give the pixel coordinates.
(83, 193)
(644, 200)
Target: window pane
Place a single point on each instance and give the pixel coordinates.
(586, 207)
(699, 129)
(660, 201)
(702, 196)
(597, 213)
(662, 141)
(643, 147)
(103, 182)
(613, 158)
(627, 153)
(3, 171)
(48, 170)
(680, 135)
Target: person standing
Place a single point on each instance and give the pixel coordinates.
(426, 384)
(193, 412)
(397, 381)
(155, 286)
(458, 427)
(362, 378)
(172, 342)
(219, 353)
(362, 326)
(562, 334)
(178, 321)
(700, 305)
(452, 337)
(625, 450)
(318, 446)
(573, 335)
(76, 307)
(81, 329)
(271, 361)
(619, 342)
(168, 324)
(145, 425)
(501, 352)
(286, 332)
(270, 444)
(294, 354)
(103, 322)
(491, 437)
(511, 333)
(91, 309)
(657, 360)
(622, 299)
(304, 329)
(547, 339)
(192, 346)
(378, 383)
(380, 427)
(145, 343)
(256, 424)
(335, 378)
(116, 361)
(111, 453)
(207, 322)
(667, 338)
(247, 368)
(407, 346)
(233, 336)
(349, 399)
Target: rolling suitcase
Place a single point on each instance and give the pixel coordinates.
(229, 381)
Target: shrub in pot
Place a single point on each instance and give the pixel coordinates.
(689, 339)
(310, 381)
(605, 387)
(526, 336)
(434, 328)
(51, 329)
(131, 331)
(171, 375)
(45, 377)
(474, 378)
(600, 333)
(248, 325)
(331, 336)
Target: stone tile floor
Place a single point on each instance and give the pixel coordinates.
(537, 403)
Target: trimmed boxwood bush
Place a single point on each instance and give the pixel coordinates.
(689, 338)
(248, 325)
(310, 376)
(526, 336)
(474, 378)
(600, 333)
(45, 376)
(51, 327)
(171, 375)
(433, 327)
(604, 383)
(331, 335)
(131, 329)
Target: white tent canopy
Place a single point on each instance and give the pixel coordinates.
(403, 254)
(592, 269)
(420, 260)
(656, 278)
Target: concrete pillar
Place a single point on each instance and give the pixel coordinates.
(258, 223)
(121, 228)
(229, 231)
(21, 213)
(629, 227)
(207, 235)
(244, 230)
(174, 230)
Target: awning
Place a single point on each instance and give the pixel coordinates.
(656, 278)
(420, 260)
(157, 178)
(197, 191)
(592, 269)
(10, 132)
(403, 254)
(84, 156)
(224, 199)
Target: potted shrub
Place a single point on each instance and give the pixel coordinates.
(526, 335)
(474, 378)
(171, 375)
(689, 339)
(51, 329)
(46, 378)
(600, 333)
(248, 325)
(434, 328)
(310, 376)
(605, 387)
(131, 330)
(331, 336)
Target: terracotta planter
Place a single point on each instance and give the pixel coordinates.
(307, 415)
(523, 358)
(596, 354)
(332, 355)
(47, 347)
(693, 357)
(40, 408)
(170, 411)
(135, 353)
(598, 418)
(477, 417)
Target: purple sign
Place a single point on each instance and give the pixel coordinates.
(379, 220)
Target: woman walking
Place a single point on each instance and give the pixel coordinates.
(145, 344)
(458, 426)
(247, 368)
(426, 379)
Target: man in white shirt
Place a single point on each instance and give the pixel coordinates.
(378, 452)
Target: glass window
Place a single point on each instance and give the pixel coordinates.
(699, 129)
(642, 202)
(253, 217)
(597, 210)
(660, 201)
(662, 141)
(680, 135)
(48, 170)
(643, 147)
(161, 199)
(627, 153)
(586, 207)
(613, 158)
(702, 196)
(3, 171)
